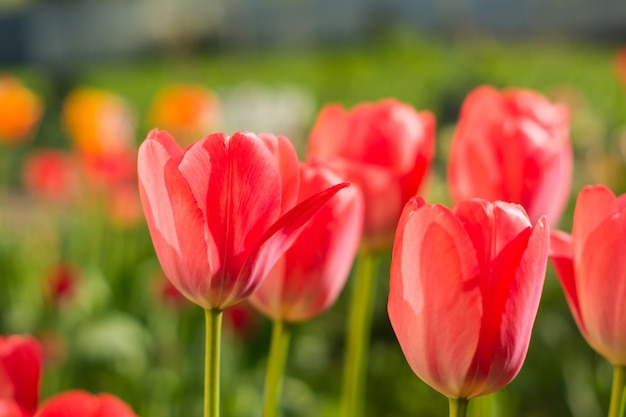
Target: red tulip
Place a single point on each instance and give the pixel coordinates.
(385, 148)
(591, 267)
(20, 370)
(217, 211)
(512, 146)
(310, 275)
(464, 292)
(83, 404)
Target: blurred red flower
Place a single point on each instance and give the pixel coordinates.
(21, 360)
(51, 174)
(385, 148)
(514, 146)
(83, 404)
(60, 283)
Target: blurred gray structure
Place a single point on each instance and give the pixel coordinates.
(58, 33)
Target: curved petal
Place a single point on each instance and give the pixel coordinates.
(593, 205)
(312, 272)
(288, 165)
(473, 169)
(434, 300)
(551, 194)
(602, 280)
(562, 258)
(518, 314)
(175, 216)
(329, 135)
(500, 234)
(276, 240)
(390, 134)
(244, 201)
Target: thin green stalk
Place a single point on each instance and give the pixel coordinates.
(213, 320)
(281, 335)
(358, 334)
(458, 407)
(616, 408)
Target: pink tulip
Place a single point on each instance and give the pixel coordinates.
(220, 212)
(386, 148)
(83, 404)
(591, 266)
(464, 292)
(512, 146)
(310, 275)
(21, 360)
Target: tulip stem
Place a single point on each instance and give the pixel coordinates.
(616, 408)
(279, 347)
(358, 332)
(213, 320)
(458, 407)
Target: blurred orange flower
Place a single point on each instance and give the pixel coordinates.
(620, 65)
(99, 122)
(187, 111)
(20, 110)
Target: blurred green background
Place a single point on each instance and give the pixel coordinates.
(115, 331)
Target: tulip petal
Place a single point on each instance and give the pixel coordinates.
(604, 271)
(593, 205)
(288, 165)
(181, 240)
(276, 240)
(207, 207)
(10, 408)
(245, 204)
(500, 234)
(562, 258)
(434, 301)
(310, 275)
(520, 304)
(329, 136)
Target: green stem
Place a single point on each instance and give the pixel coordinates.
(458, 407)
(616, 408)
(279, 348)
(213, 319)
(358, 333)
